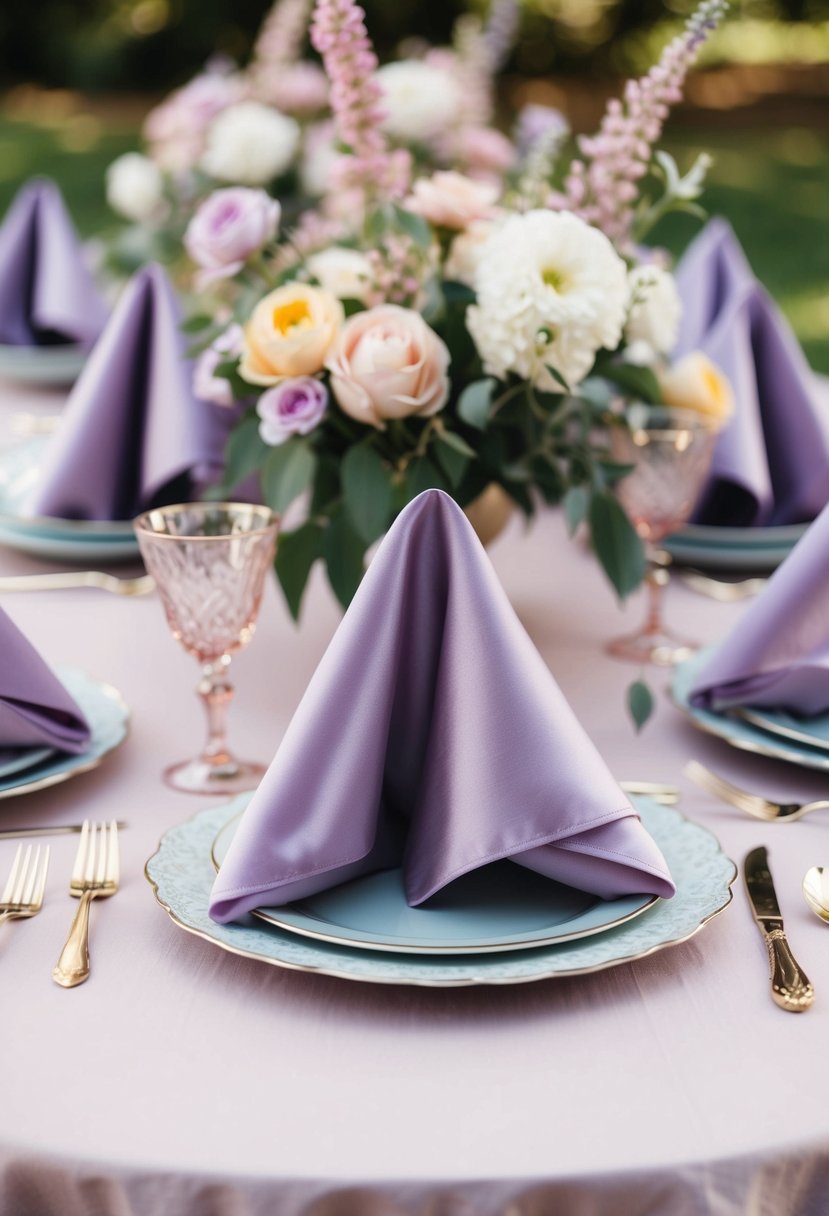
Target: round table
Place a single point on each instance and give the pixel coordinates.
(183, 1079)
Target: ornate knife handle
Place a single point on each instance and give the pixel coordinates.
(790, 986)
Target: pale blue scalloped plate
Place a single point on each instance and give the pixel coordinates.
(737, 730)
(181, 874)
(760, 549)
(42, 365)
(16, 759)
(108, 718)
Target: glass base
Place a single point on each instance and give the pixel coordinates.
(198, 777)
(661, 648)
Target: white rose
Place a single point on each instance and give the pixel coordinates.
(655, 309)
(135, 187)
(250, 144)
(420, 100)
(346, 273)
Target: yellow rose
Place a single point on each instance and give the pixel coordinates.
(290, 333)
(695, 383)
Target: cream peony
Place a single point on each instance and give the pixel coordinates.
(450, 200)
(250, 144)
(135, 187)
(346, 273)
(289, 333)
(655, 309)
(551, 291)
(419, 100)
(388, 363)
(695, 383)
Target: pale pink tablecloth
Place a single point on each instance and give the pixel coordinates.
(184, 1081)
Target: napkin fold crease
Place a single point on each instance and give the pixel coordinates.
(47, 294)
(771, 462)
(433, 736)
(35, 708)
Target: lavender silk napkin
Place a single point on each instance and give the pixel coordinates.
(771, 463)
(432, 735)
(132, 433)
(35, 708)
(47, 294)
(778, 654)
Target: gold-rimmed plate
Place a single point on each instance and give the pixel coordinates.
(108, 716)
(181, 874)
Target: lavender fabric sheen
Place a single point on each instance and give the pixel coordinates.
(35, 708)
(778, 654)
(47, 295)
(771, 462)
(432, 735)
(133, 435)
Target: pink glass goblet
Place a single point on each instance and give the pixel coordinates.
(670, 451)
(209, 562)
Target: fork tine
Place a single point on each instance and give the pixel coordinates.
(80, 855)
(113, 857)
(19, 886)
(752, 804)
(30, 878)
(101, 855)
(12, 879)
(40, 885)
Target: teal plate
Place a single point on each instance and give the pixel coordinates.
(814, 732)
(181, 873)
(16, 759)
(108, 719)
(734, 727)
(499, 907)
(43, 365)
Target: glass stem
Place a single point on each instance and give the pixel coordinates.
(656, 580)
(216, 693)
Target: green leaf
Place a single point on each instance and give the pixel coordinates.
(458, 294)
(423, 474)
(612, 471)
(474, 403)
(638, 382)
(195, 324)
(288, 471)
(352, 306)
(453, 440)
(617, 545)
(229, 367)
(414, 226)
(343, 552)
(245, 452)
(576, 503)
(367, 488)
(557, 376)
(296, 553)
(453, 463)
(640, 703)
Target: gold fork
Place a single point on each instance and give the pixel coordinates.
(23, 893)
(78, 578)
(94, 876)
(752, 804)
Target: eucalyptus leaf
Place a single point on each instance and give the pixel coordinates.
(453, 440)
(576, 504)
(640, 703)
(366, 482)
(296, 553)
(245, 452)
(343, 552)
(287, 472)
(616, 542)
(414, 226)
(638, 382)
(474, 403)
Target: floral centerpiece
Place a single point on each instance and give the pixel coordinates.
(446, 331)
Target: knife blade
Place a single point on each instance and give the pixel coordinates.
(57, 830)
(790, 986)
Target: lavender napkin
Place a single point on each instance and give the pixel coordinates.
(47, 295)
(132, 434)
(35, 708)
(771, 463)
(433, 736)
(778, 654)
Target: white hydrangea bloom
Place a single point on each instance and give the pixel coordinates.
(655, 309)
(551, 292)
(135, 187)
(250, 144)
(420, 100)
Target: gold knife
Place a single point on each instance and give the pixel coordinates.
(57, 830)
(790, 987)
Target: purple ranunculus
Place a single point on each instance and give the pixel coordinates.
(206, 385)
(227, 228)
(292, 407)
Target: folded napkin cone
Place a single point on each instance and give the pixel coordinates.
(778, 653)
(132, 435)
(771, 462)
(47, 295)
(433, 736)
(35, 708)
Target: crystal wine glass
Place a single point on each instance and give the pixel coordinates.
(209, 562)
(670, 451)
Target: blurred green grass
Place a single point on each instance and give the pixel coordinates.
(773, 186)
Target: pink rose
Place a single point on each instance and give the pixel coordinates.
(296, 88)
(293, 407)
(227, 228)
(483, 149)
(451, 200)
(388, 363)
